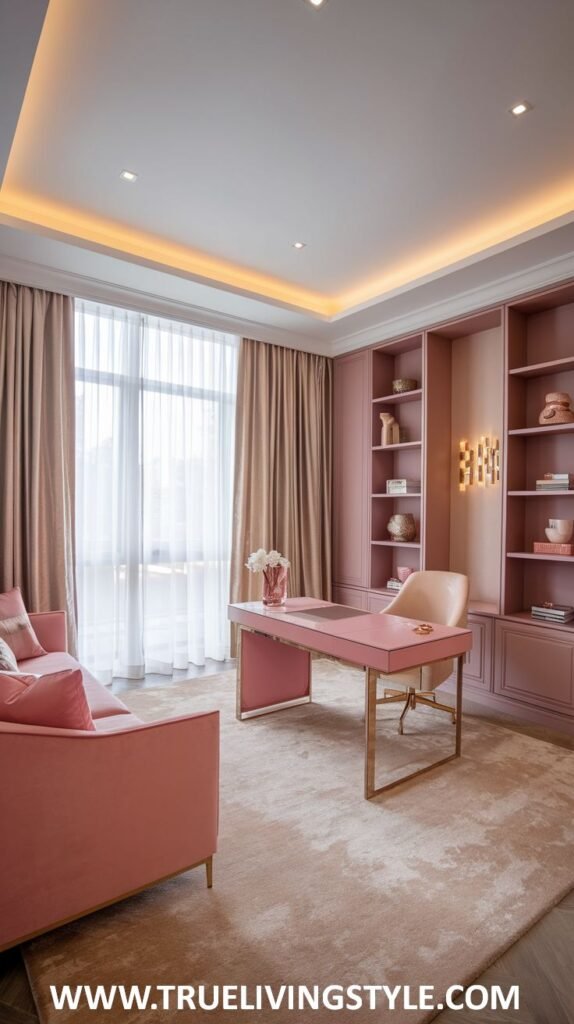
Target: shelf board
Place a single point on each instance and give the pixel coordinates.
(544, 369)
(404, 396)
(541, 623)
(396, 447)
(417, 495)
(540, 494)
(483, 607)
(397, 543)
(530, 555)
(560, 428)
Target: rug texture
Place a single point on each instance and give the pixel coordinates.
(313, 885)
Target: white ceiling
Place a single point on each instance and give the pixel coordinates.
(376, 131)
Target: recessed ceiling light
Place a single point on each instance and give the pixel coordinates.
(299, 245)
(316, 3)
(521, 108)
(128, 176)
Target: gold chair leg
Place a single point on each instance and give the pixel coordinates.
(408, 705)
(437, 705)
(399, 696)
(209, 872)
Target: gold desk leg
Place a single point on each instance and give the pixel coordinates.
(370, 738)
(238, 700)
(460, 661)
(370, 731)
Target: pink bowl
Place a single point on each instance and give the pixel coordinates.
(403, 572)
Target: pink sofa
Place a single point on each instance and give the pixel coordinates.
(88, 818)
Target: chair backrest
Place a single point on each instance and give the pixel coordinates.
(433, 596)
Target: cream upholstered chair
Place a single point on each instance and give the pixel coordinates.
(440, 597)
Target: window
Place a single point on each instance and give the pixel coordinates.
(155, 410)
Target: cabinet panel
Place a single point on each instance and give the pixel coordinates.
(477, 670)
(351, 598)
(376, 602)
(478, 662)
(351, 470)
(534, 667)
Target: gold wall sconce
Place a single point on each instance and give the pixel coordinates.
(465, 466)
(479, 466)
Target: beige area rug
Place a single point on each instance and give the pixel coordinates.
(314, 885)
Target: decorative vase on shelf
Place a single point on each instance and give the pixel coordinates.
(390, 430)
(275, 569)
(402, 526)
(275, 585)
(559, 531)
(557, 409)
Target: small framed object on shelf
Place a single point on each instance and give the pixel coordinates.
(403, 486)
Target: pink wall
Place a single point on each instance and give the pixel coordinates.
(477, 409)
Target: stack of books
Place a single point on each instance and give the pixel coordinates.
(556, 482)
(403, 486)
(393, 584)
(558, 613)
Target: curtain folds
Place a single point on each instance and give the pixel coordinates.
(37, 545)
(155, 421)
(283, 466)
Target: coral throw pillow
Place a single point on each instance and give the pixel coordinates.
(16, 628)
(57, 700)
(8, 662)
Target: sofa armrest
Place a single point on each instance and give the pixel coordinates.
(51, 630)
(89, 818)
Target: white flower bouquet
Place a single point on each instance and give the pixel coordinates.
(261, 559)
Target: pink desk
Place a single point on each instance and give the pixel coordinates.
(274, 663)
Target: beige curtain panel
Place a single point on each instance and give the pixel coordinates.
(283, 465)
(37, 449)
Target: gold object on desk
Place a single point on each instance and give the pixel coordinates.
(425, 628)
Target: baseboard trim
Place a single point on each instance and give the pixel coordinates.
(520, 713)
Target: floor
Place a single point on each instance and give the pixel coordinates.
(541, 962)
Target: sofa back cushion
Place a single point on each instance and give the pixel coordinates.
(8, 661)
(57, 700)
(16, 628)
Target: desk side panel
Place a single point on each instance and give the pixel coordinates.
(271, 673)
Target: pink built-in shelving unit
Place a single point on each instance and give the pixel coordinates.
(493, 367)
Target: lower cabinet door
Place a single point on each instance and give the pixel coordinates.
(349, 596)
(477, 671)
(478, 661)
(376, 602)
(535, 665)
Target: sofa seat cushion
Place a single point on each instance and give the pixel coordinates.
(117, 723)
(57, 700)
(101, 702)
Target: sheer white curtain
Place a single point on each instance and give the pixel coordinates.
(155, 411)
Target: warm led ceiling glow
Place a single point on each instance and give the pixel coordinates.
(316, 3)
(520, 108)
(299, 245)
(129, 176)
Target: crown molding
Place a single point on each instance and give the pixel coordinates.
(81, 286)
(504, 289)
